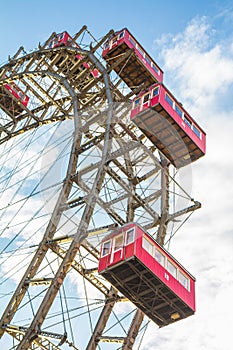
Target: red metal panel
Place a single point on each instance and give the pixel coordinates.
(64, 39)
(160, 99)
(8, 101)
(17, 93)
(115, 257)
(159, 76)
(114, 42)
(136, 249)
(103, 262)
(139, 51)
(182, 141)
(138, 275)
(129, 250)
(152, 102)
(188, 296)
(201, 143)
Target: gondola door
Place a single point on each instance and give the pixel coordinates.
(117, 248)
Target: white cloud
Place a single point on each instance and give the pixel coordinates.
(199, 70)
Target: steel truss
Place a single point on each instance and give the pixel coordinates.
(114, 173)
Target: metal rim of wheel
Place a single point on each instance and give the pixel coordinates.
(113, 175)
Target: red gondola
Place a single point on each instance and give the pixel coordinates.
(61, 39)
(167, 124)
(12, 98)
(64, 39)
(138, 68)
(148, 275)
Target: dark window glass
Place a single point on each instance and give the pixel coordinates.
(159, 257)
(154, 68)
(132, 41)
(129, 236)
(148, 60)
(183, 280)
(148, 246)
(172, 269)
(155, 92)
(137, 102)
(118, 242)
(121, 35)
(20, 95)
(106, 248)
(197, 132)
(140, 51)
(169, 100)
(178, 110)
(146, 98)
(187, 121)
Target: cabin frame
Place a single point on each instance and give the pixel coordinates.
(148, 275)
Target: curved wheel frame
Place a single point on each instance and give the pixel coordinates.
(113, 173)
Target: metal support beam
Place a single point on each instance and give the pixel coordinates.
(81, 234)
(102, 321)
(51, 228)
(133, 330)
(164, 202)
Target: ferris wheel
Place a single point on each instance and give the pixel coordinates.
(83, 165)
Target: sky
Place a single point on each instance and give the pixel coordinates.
(193, 43)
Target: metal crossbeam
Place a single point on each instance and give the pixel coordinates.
(112, 171)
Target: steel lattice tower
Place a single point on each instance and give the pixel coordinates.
(114, 175)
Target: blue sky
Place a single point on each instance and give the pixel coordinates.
(193, 43)
(28, 22)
